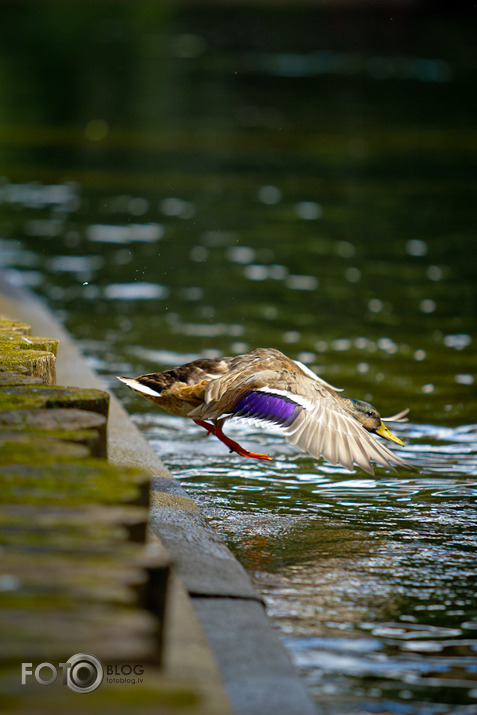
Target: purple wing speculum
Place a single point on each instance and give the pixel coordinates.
(258, 405)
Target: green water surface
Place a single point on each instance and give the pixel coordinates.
(182, 182)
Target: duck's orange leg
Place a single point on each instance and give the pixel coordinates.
(233, 446)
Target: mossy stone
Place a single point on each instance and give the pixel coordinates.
(46, 396)
(20, 446)
(24, 342)
(9, 379)
(79, 426)
(30, 362)
(67, 482)
(35, 628)
(9, 327)
(72, 534)
(81, 525)
(159, 694)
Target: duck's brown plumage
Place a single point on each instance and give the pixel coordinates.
(182, 388)
(267, 386)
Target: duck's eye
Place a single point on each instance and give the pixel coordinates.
(370, 413)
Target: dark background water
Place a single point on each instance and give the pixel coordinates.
(183, 180)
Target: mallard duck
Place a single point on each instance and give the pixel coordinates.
(266, 386)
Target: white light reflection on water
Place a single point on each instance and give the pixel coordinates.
(370, 581)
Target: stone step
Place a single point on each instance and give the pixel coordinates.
(70, 425)
(76, 575)
(25, 397)
(37, 363)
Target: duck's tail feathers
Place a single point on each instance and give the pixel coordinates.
(139, 387)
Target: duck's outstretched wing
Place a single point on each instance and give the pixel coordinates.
(305, 410)
(326, 430)
(322, 429)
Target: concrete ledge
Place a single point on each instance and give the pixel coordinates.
(205, 564)
(216, 597)
(263, 683)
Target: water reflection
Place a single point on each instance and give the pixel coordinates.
(295, 178)
(370, 580)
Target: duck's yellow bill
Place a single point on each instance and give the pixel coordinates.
(383, 431)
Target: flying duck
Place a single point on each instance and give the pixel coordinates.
(266, 386)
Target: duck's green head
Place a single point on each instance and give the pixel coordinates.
(370, 418)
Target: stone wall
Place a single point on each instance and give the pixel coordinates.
(75, 577)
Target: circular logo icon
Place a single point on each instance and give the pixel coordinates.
(85, 673)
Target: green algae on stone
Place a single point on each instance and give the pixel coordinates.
(25, 402)
(47, 396)
(13, 327)
(88, 439)
(37, 627)
(71, 483)
(24, 342)
(70, 424)
(157, 695)
(16, 447)
(9, 379)
(72, 528)
(113, 575)
(30, 362)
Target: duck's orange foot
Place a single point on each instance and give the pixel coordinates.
(233, 446)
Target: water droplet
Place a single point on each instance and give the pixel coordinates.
(426, 389)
